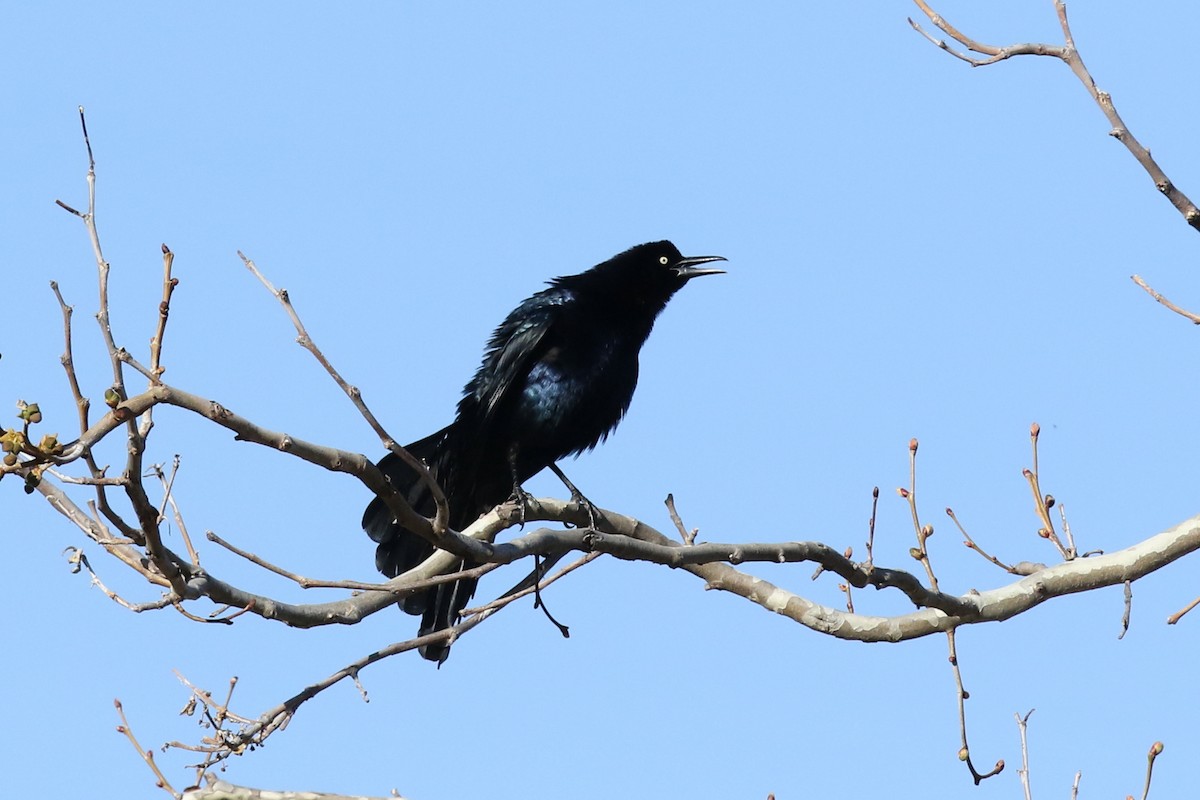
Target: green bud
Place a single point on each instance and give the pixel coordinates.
(12, 441)
(29, 412)
(111, 398)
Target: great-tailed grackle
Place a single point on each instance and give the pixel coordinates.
(556, 378)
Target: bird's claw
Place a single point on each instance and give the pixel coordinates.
(585, 504)
(577, 497)
(522, 499)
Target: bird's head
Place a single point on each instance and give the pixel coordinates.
(656, 270)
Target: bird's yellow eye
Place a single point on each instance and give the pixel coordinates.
(663, 260)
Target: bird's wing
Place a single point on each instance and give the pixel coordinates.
(519, 341)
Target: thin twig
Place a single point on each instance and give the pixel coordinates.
(79, 560)
(147, 518)
(537, 598)
(1155, 751)
(206, 620)
(689, 537)
(1128, 610)
(870, 563)
(82, 404)
(1042, 503)
(315, 583)
(845, 587)
(518, 593)
(1066, 526)
(969, 542)
(255, 733)
(1183, 312)
(1178, 615)
(205, 698)
(169, 499)
(921, 551)
(120, 480)
(964, 754)
(1069, 55)
(147, 755)
(164, 309)
(1022, 724)
(440, 521)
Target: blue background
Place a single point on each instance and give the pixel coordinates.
(915, 248)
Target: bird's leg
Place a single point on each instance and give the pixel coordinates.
(577, 497)
(519, 495)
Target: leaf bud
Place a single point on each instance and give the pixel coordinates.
(29, 412)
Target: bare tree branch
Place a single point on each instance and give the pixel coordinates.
(440, 522)
(1069, 56)
(1183, 312)
(223, 790)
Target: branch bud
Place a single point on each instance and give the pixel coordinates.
(1034, 430)
(964, 754)
(12, 441)
(902, 492)
(29, 412)
(111, 398)
(916, 553)
(912, 445)
(1156, 749)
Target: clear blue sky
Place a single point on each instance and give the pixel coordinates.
(915, 249)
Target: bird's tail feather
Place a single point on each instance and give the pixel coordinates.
(399, 549)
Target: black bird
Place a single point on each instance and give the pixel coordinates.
(556, 378)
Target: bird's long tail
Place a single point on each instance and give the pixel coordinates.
(400, 550)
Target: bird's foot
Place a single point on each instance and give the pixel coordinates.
(522, 499)
(587, 506)
(577, 497)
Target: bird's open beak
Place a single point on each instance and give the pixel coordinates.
(689, 268)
